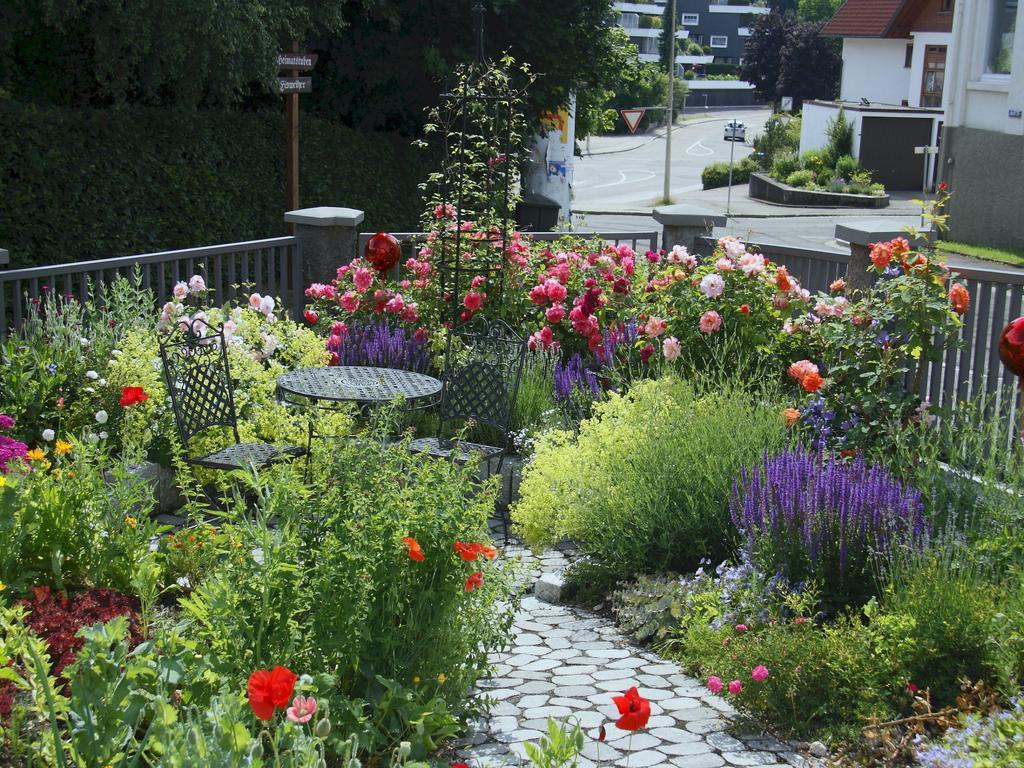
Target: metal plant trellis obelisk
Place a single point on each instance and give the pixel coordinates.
(478, 120)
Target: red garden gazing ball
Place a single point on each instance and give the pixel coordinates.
(1011, 347)
(383, 251)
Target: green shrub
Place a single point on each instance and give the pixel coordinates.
(846, 166)
(839, 131)
(784, 164)
(822, 681)
(824, 177)
(689, 74)
(645, 485)
(800, 179)
(92, 183)
(815, 160)
(717, 174)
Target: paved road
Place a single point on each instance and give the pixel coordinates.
(626, 173)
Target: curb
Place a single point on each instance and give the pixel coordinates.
(659, 133)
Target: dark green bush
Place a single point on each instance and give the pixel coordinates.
(717, 174)
(93, 183)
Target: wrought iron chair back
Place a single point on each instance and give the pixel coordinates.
(483, 366)
(195, 361)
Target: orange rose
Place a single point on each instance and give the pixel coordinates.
(959, 298)
(812, 381)
(792, 416)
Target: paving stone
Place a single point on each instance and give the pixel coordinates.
(680, 748)
(653, 681)
(645, 759)
(706, 726)
(766, 744)
(602, 753)
(749, 758)
(674, 735)
(709, 760)
(724, 742)
(577, 690)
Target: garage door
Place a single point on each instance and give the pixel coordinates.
(887, 149)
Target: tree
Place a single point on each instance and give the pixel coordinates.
(784, 57)
(811, 64)
(189, 52)
(817, 10)
(762, 56)
(381, 62)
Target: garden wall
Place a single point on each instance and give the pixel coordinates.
(89, 183)
(764, 188)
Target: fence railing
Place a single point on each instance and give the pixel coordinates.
(972, 370)
(638, 241)
(272, 266)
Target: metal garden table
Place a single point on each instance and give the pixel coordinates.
(366, 386)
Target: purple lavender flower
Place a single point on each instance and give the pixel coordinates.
(379, 344)
(811, 516)
(574, 375)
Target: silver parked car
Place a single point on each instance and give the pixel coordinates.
(735, 131)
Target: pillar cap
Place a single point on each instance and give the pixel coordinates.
(325, 216)
(877, 230)
(685, 215)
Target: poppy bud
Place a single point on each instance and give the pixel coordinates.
(404, 749)
(195, 739)
(256, 753)
(602, 734)
(322, 728)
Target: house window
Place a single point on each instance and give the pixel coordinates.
(908, 59)
(1004, 24)
(691, 19)
(934, 76)
(719, 41)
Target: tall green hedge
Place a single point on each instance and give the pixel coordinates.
(94, 183)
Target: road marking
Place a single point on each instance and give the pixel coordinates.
(624, 179)
(702, 150)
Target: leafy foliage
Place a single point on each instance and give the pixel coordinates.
(87, 183)
(784, 57)
(644, 486)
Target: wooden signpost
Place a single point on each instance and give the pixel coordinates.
(290, 85)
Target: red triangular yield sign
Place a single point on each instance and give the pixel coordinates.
(633, 117)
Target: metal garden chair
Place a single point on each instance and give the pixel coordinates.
(195, 362)
(483, 366)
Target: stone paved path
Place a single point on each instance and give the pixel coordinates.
(567, 664)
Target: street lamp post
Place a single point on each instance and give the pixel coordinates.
(671, 97)
(732, 153)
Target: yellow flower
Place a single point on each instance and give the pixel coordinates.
(36, 454)
(131, 522)
(415, 679)
(2, 585)
(71, 473)
(63, 447)
(441, 677)
(3, 481)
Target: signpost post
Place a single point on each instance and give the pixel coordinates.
(669, 108)
(290, 86)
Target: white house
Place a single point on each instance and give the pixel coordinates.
(983, 140)
(892, 87)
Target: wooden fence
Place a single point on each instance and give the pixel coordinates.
(272, 266)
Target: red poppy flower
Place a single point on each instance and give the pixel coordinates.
(460, 765)
(133, 396)
(474, 581)
(415, 552)
(270, 689)
(634, 708)
(466, 551)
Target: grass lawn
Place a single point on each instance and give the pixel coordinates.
(1016, 258)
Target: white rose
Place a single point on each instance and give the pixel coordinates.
(92, 375)
(48, 435)
(101, 417)
(103, 435)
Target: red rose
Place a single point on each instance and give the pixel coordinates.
(812, 382)
(270, 689)
(132, 396)
(959, 298)
(646, 352)
(745, 309)
(311, 317)
(634, 708)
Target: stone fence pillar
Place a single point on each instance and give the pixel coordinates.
(5, 258)
(328, 237)
(685, 224)
(861, 234)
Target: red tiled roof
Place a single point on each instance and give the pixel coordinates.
(863, 18)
